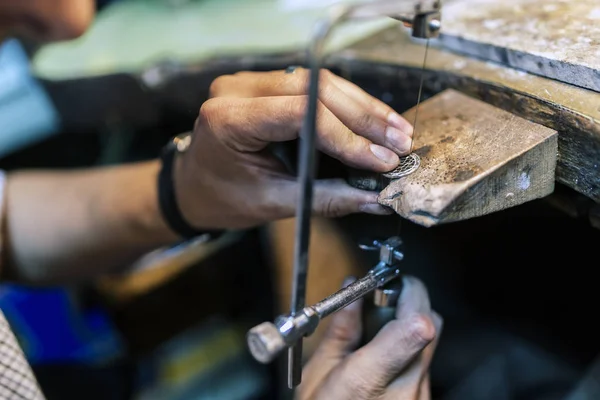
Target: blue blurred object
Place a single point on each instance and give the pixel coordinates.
(27, 114)
(52, 329)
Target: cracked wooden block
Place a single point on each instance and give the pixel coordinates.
(476, 159)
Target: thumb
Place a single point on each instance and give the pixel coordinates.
(341, 338)
(398, 342)
(336, 198)
(331, 198)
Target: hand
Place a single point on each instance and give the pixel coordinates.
(394, 365)
(229, 179)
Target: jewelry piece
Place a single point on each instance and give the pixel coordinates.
(408, 165)
(291, 69)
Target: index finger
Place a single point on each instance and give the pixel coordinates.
(278, 83)
(248, 125)
(360, 112)
(377, 107)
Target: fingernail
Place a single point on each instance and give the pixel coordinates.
(385, 155)
(377, 209)
(398, 139)
(407, 288)
(406, 284)
(414, 296)
(397, 121)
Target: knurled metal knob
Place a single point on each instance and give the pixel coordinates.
(265, 342)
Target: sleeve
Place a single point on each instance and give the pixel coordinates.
(17, 380)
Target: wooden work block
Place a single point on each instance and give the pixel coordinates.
(475, 159)
(556, 39)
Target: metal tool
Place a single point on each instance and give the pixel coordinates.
(266, 340)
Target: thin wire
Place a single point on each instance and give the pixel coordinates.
(399, 229)
(419, 96)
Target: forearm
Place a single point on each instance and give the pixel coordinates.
(61, 226)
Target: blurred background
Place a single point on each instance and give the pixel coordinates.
(515, 288)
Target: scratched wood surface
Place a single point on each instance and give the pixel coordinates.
(475, 159)
(558, 39)
(391, 60)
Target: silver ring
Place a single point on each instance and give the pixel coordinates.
(291, 69)
(408, 165)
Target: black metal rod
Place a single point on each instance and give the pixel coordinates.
(307, 170)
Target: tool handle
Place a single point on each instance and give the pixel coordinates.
(268, 340)
(346, 296)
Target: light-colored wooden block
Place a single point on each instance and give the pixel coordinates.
(476, 159)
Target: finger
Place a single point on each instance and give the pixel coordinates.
(399, 341)
(377, 107)
(429, 351)
(414, 378)
(424, 390)
(394, 348)
(342, 336)
(335, 198)
(366, 373)
(360, 112)
(331, 198)
(248, 125)
(278, 83)
(413, 299)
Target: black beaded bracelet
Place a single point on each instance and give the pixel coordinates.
(166, 192)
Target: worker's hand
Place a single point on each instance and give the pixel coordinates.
(394, 365)
(229, 179)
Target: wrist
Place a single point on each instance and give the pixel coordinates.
(143, 211)
(170, 191)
